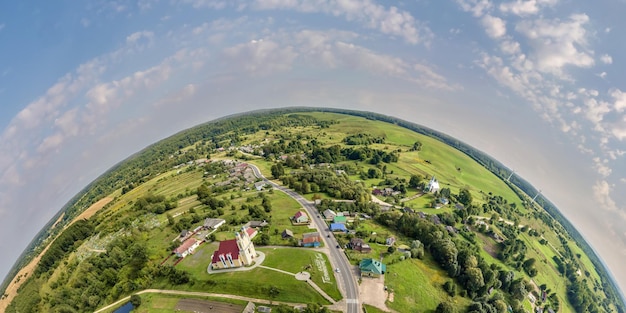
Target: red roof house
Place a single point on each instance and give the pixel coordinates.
(187, 247)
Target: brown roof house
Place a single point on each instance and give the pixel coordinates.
(311, 240)
(359, 245)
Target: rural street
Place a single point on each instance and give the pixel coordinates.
(345, 279)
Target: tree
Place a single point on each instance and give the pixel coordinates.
(277, 170)
(391, 249)
(414, 182)
(445, 307)
(474, 279)
(135, 300)
(273, 292)
(465, 197)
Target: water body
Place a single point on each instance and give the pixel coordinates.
(126, 308)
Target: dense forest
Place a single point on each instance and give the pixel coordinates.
(452, 254)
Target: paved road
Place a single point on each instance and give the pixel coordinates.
(338, 259)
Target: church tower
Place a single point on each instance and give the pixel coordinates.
(246, 247)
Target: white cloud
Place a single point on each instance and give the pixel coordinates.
(2, 26)
(476, 7)
(261, 56)
(137, 37)
(211, 4)
(85, 22)
(525, 7)
(510, 47)
(557, 44)
(602, 194)
(606, 59)
(602, 167)
(390, 21)
(495, 27)
(619, 98)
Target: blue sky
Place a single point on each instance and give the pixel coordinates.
(538, 84)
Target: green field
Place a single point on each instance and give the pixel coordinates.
(416, 284)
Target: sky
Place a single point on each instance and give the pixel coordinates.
(538, 84)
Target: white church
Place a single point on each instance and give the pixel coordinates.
(433, 185)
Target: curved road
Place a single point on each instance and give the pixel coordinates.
(338, 259)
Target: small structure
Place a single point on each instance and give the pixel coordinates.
(186, 248)
(340, 219)
(338, 227)
(264, 309)
(359, 245)
(408, 210)
(459, 206)
(329, 214)
(183, 235)
(433, 185)
(372, 268)
(256, 224)
(213, 223)
(300, 218)
(377, 192)
(390, 241)
(235, 252)
(435, 219)
(252, 232)
(287, 234)
(421, 214)
(311, 240)
(451, 229)
(260, 185)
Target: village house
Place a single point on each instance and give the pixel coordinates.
(451, 229)
(234, 253)
(329, 214)
(252, 232)
(359, 245)
(435, 219)
(260, 185)
(340, 219)
(338, 227)
(213, 223)
(287, 234)
(256, 224)
(184, 235)
(186, 248)
(311, 240)
(372, 268)
(300, 218)
(390, 241)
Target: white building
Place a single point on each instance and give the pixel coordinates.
(433, 185)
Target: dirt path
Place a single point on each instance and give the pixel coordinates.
(27, 270)
(196, 293)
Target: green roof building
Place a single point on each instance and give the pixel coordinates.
(372, 268)
(340, 219)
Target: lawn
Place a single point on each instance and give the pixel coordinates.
(294, 260)
(416, 285)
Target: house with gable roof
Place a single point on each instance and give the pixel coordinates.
(300, 218)
(187, 247)
(372, 268)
